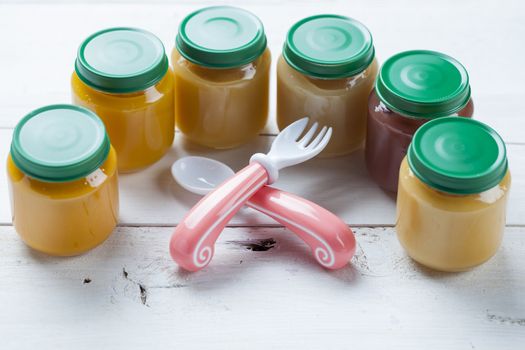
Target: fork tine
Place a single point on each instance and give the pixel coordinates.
(326, 138)
(294, 130)
(308, 136)
(318, 138)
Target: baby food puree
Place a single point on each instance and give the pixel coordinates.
(62, 174)
(412, 87)
(453, 189)
(222, 69)
(326, 72)
(122, 74)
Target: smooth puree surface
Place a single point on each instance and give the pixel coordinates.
(64, 218)
(221, 108)
(141, 125)
(339, 103)
(446, 231)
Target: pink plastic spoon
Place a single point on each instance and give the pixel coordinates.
(330, 239)
(192, 243)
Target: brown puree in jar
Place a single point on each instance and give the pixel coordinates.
(388, 137)
(411, 88)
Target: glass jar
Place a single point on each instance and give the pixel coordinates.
(326, 72)
(122, 74)
(62, 175)
(453, 189)
(222, 71)
(412, 88)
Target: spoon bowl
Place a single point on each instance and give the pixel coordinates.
(200, 175)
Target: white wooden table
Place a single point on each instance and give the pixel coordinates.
(263, 289)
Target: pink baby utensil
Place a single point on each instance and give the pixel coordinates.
(329, 238)
(192, 243)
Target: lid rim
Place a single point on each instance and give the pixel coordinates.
(423, 115)
(224, 58)
(328, 76)
(121, 83)
(477, 180)
(329, 69)
(58, 173)
(427, 107)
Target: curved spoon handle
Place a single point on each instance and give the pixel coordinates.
(331, 240)
(192, 242)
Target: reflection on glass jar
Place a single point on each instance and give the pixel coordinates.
(412, 88)
(122, 74)
(62, 174)
(222, 70)
(452, 196)
(326, 72)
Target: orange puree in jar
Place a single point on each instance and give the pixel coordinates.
(452, 195)
(221, 77)
(62, 175)
(122, 75)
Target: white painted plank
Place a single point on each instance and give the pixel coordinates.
(269, 299)
(342, 185)
(36, 64)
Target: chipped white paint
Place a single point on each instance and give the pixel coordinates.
(128, 294)
(278, 298)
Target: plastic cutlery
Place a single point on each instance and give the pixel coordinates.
(192, 242)
(330, 239)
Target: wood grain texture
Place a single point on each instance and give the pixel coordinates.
(127, 293)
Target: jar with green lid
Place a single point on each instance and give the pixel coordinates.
(62, 175)
(412, 87)
(452, 196)
(222, 70)
(326, 72)
(123, 75)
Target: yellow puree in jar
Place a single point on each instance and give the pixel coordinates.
(64, 218)
(136, 122)
(221, 108)
(446, 231)
(339, 103)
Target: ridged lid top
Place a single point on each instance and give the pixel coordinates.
(458, 155)
(221, 37)
(329, 47)
(121, 60)
(59, 143)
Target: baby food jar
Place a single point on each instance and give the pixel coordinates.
(453, 189)
(326, 72)
(222, 70)
(412, 87)
(122, 74)
(62, 174)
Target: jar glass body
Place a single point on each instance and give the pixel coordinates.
(140, 125)
(221, 108)
(64, 218)
(445, 231)
(339, 103)
(388, 136)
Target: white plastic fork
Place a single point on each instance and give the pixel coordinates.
(192, 243)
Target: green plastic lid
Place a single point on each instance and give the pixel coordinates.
(423, 84)
(59, 143)
(221, 37)
(121, 60)
(458, 155)
(328, 47)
